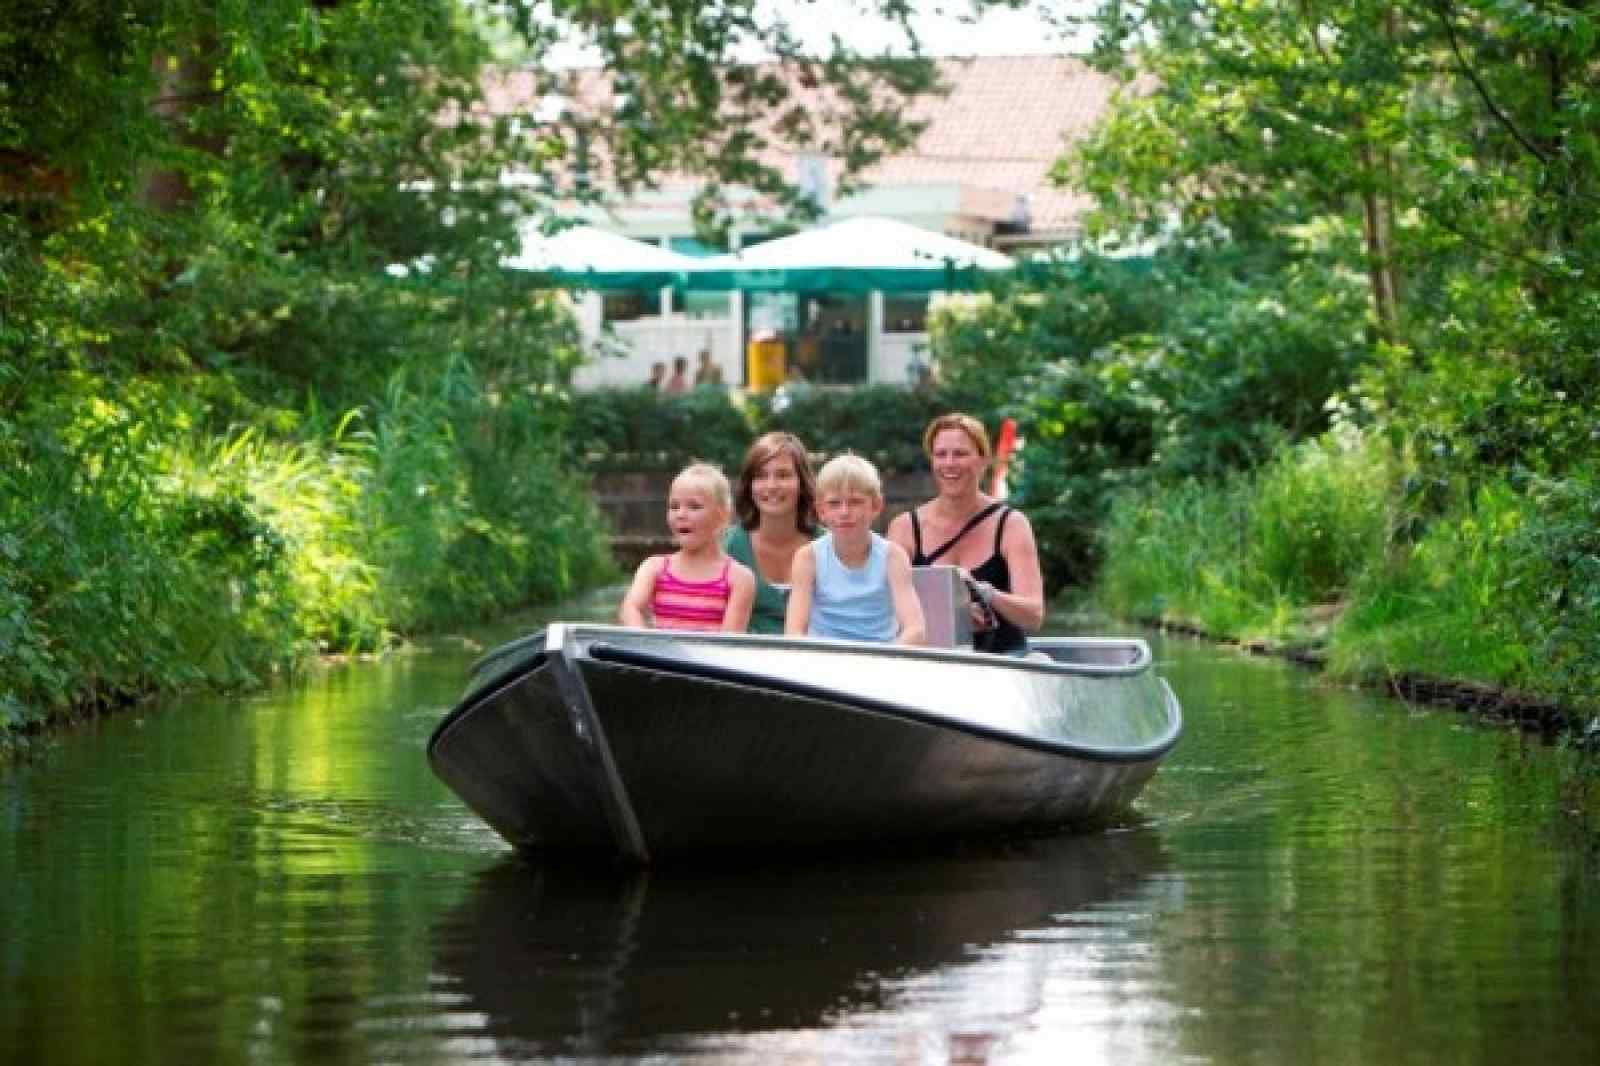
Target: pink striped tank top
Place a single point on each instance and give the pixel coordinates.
(680, 604)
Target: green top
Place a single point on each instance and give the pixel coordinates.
(772, 601)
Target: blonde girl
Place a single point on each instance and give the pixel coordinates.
(699, 586)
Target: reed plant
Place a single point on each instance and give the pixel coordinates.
(1176, 554)
(118, 578)
(471, 510)
(1249, 555)
(1445, 606)
(1316, 516)
(143, 550)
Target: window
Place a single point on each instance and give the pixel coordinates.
(905, 312)
(626, 306)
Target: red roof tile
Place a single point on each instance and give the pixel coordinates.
(1000, 128)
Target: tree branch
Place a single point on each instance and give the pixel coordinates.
(1443, 8)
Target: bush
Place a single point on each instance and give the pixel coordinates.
(474, 509)
(1245, 554)
(883, 423)
(1552, 561)
(117, 578)
(638, 429)
(1117, 374)
(1317, 515)
(1446, 606)
(1176, 554)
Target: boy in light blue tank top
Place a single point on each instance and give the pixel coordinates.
(852, 584)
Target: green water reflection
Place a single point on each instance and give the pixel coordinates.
(1318, 876)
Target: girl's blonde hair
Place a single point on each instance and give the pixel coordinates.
(711, 480)
(847, 473)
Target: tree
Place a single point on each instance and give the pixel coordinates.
(1455, 138)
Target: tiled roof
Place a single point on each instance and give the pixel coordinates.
(999, 130)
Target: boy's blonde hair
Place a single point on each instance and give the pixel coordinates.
(711, 480)
(849, 473)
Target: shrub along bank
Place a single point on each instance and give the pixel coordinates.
(1324, 555)
(637, 429)
(141, 551)
(1216, 443)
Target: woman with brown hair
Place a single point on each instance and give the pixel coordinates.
(990, 542)
(776, 501)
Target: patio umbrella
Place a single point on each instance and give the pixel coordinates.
(855, 255)
(594, 258)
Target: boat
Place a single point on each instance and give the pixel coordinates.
(645, 744)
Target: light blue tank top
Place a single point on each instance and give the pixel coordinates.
(851, 604)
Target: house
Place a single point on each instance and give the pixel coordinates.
(980, 172)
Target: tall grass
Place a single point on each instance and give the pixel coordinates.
(471, 510)
(1445, 605)
(1499, 586)
(140, 551)
(1241, 556)
(117, 579)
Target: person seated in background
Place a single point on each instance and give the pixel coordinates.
(658, 376)
(708, 372)
(679, 381)
(852, 584)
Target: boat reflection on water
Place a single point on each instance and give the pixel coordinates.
(573, 960)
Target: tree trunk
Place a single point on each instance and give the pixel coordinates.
(183, 90)
(1377, 229)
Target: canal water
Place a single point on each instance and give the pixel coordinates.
(1316, 875)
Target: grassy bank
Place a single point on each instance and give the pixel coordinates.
(1333, 553)
(142, 550)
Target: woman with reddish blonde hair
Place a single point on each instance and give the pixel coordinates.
(991, 543)
(776, 501)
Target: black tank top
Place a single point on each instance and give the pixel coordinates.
(995, 570)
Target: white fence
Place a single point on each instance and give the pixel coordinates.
(623, 352)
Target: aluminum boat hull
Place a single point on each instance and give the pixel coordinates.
(645, 744)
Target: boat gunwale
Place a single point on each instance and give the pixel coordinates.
(480, 695)
(604, 652)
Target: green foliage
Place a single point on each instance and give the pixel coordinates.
(1176, 554)
(1446, 606)
(1454, 144)
(1553, 578)
(1318, 515)
(1120, 373)
(884, 423)
(1247, 554)
(116, 577)
(472, 510)
(639, 429)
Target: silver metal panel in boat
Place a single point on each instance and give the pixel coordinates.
(644, 743)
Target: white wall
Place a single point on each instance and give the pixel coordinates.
(633, 346)
(892, 361)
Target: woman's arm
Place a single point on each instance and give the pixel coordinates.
(736, 618)
(913, 628)
(802, 581)
(899, 532)
(635, 608)
(1024, 605)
